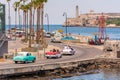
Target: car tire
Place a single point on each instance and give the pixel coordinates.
(47, 57)
(16, 62)
(60, 56)
(34, 60)
(24, 62)
(73, 54)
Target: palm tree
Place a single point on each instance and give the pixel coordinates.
(9, 14)
(23, 14)
(40, 4)
(15, 5)
(30, 9)
(34, 4)
(18, 9)
(19, 14)
(24, 8)
(27, 9)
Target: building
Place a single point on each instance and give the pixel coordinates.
(89, 19)
(3, 41)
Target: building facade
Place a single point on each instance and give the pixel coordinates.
(89, 19)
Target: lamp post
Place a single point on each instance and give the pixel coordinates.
(46, 15)
(9, 17)
(65, 14)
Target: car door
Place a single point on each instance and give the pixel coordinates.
(30, 57)
(27, 56)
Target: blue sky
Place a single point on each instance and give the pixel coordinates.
(56, 8)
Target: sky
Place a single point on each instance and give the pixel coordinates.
(56, 8)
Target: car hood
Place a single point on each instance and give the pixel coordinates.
(66, 49)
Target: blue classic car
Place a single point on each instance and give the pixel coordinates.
(24, 57)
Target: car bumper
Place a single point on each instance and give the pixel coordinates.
(51, 56)
(67, 53)
(19, 60)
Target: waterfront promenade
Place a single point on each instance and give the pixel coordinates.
(83, 52)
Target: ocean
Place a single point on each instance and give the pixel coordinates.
(107, 74)
(113, 33)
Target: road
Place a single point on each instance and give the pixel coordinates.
(82, 52)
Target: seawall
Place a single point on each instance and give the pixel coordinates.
(61, 68)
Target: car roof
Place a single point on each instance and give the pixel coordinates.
(23, 53)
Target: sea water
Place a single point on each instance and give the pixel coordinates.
(113, 33)
(108, 74)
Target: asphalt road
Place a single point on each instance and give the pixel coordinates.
(82, 52)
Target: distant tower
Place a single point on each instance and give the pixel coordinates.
(77, 11)
(102, 30)
(91, 12)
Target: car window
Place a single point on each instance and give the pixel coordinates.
(66, 47)
(27, 54)
(30, 54)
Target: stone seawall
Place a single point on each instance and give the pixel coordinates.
(61, 68)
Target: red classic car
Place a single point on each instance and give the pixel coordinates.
(53, 54)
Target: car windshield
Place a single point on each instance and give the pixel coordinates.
(66, 47)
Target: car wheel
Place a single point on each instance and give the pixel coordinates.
(16, 62)
(34, 60)
(47, 57)
(72, 53)
(24, 62)
(60, 56)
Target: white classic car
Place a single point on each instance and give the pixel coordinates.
(68, 50)
(56, 39)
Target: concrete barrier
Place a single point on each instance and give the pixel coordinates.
(62, 67)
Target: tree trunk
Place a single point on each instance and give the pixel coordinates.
(42, 42)
(38, 26)
(27, 25)
(15, 23)
(19, 17)
(24, 23)
(33, 25)
(30, 27)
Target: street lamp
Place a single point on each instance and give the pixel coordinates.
(9, 17)
(65, 14)
(46, 15)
